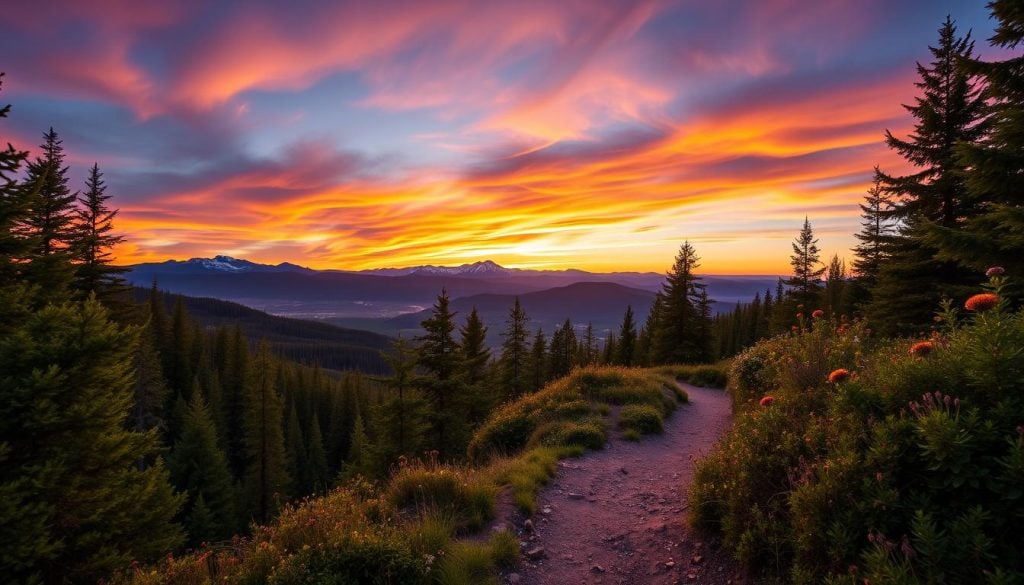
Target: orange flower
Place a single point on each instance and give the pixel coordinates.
(818, 314)
(840, 375)
(922, 348)
(767, 401)
(982, 302)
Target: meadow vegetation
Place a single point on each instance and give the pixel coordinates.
(854, 460)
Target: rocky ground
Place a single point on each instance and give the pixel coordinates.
(618, 516)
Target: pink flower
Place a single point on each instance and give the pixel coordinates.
(840, 375)
(922, 348)
(818, 314)
(982, 302)
(767, 401)
(995, 271)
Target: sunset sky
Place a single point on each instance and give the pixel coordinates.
(550, 134)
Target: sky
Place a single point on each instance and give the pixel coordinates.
(579, 133)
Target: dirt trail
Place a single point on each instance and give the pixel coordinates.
(618, 515)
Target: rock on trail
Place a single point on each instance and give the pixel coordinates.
(618, 515)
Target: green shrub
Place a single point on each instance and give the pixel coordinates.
(909, 472)
(642, 418)
(468, 497)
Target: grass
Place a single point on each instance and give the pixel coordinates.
(406, 530)
(642, 418)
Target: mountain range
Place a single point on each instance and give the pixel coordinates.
(394, 300)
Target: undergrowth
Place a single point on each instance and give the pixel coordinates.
(855, 461)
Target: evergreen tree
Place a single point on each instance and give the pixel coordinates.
(608, 356)
(950, 111)
(513, 353)
(266, 477)
(16, 199)
(439, 357)
(50, 221)
(834, 293)
(992, 165)
(875, 232)
(475, 357)
(361, 456)
(537, 363)
(296, 456)
(587, 347)
(199, 468)
(317, 457)
(805, 283)
(683, 334)
(94, 273)
(74, 504)
(562, 351)
(344, 407)
(625, 352)
(402, 417)
(645, 340)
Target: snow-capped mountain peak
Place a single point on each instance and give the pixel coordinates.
(223, 264)
(482, 268)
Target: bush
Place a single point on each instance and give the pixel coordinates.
(466, 496)
(642, 418)
(910, 471)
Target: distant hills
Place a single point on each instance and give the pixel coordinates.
(310, 342)
(393, 300)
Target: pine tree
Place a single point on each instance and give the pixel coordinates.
(15, 245)
(402, 417)
(361, 456)
(537, 362)
(645, 340)
(296, 456)
(50, 221)
(74, 504)
(834, 294)
(317, 457)
(439, 357)
(950, 111)
(805, 283)
(199, 468)
(475, 357)
(94, 273)
(562, 351)
(344, 407)
(683, 332)
(993, 164)
(625, 352)
(513, 353)
(587, 348)
(266, 477)
(875, 233)
(608, 355)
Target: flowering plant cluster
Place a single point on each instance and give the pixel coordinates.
(878, 460)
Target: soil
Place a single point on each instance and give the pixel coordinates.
(618, 516)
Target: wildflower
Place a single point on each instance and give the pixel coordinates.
(840, 375)
(922, 348)
(799, 315)
(995, 271)
(767, 401)
(982, 302)
(818, 314)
